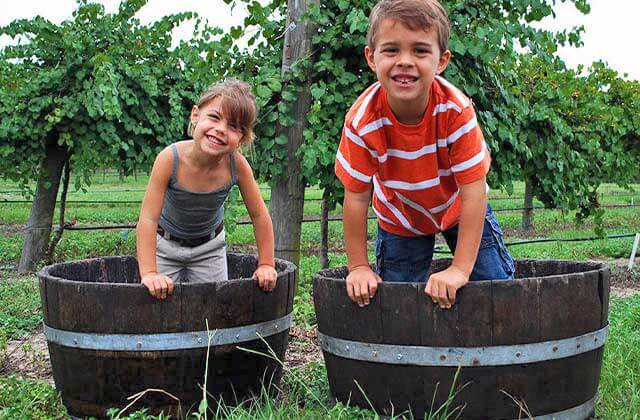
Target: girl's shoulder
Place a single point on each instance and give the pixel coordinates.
(183, 147)
(242, 164)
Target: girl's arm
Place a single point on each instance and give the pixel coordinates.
(159, 286)
(262, 226)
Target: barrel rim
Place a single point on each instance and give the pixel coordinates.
(598, 266)
(45, 272)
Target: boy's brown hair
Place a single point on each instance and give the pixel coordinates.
(238, 106)
(415, 14)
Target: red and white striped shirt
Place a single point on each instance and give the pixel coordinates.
(415, 169)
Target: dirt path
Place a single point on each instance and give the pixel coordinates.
(28, 358)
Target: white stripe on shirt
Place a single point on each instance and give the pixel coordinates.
(373, 126)
(403, 220)
(419, 208)
(412, 155)
(365, 104)
(381, 217)
(354, 173)
(464, 101)
(470, 162)
(412, 186)
(453, 137)
(446, 205)
(445, 107)
(357, 140)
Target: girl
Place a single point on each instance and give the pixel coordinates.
(180, 226)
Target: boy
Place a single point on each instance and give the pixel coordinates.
(412, 141)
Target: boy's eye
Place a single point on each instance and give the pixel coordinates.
(422, 51)
(389, 50)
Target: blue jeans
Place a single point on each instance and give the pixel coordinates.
(408, 259)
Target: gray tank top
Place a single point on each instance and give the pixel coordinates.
(189, 215)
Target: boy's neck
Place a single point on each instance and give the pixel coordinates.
(409, 113)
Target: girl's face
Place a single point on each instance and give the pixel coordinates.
(212, 131)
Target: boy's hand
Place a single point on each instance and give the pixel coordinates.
(159, 285)
(362, 284)
(442, 286)
(266, 276)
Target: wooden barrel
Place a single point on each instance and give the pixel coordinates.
(109, 339)
(531, 345)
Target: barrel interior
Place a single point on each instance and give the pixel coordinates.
(524, 268)
(124, 269)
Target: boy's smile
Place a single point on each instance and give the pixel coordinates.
(405, 62)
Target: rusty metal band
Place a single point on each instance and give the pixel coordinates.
(580, 412)
(167, 341)
(463, 356)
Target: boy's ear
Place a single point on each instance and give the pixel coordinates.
(368, 54)
(444, 61)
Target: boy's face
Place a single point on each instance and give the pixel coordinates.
(406, 61)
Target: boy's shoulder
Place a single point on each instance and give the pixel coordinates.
(366, 108)
(449, 96)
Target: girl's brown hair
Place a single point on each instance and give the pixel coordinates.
(238, 106)
(416, 14)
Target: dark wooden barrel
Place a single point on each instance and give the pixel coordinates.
(536, 341)
(109, 339)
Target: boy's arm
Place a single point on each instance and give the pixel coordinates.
(265, 274)
(442, 286)
(362, 282)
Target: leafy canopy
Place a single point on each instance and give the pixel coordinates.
(112, 91)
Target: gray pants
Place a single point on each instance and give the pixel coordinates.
(206, 262)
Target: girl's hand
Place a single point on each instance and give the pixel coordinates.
(160, 286)
(266, 276)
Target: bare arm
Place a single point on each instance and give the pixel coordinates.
(442, 286)
(262, 225)
(362, 282)
(159, 286)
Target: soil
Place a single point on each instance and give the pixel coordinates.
(27, 358)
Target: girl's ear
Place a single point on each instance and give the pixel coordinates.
(194, 115)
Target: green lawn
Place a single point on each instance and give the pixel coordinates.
(306, 389)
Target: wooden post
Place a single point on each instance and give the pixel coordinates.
(632, 258)
(287, 194)
(38, 230)
(527, 213)
(324, 231)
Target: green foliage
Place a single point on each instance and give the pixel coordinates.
(488, 65)
(575, 133)
(107, 88)
(29, 400)
(19, 307)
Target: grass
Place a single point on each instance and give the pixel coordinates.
(20, 303)
(620, 379)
